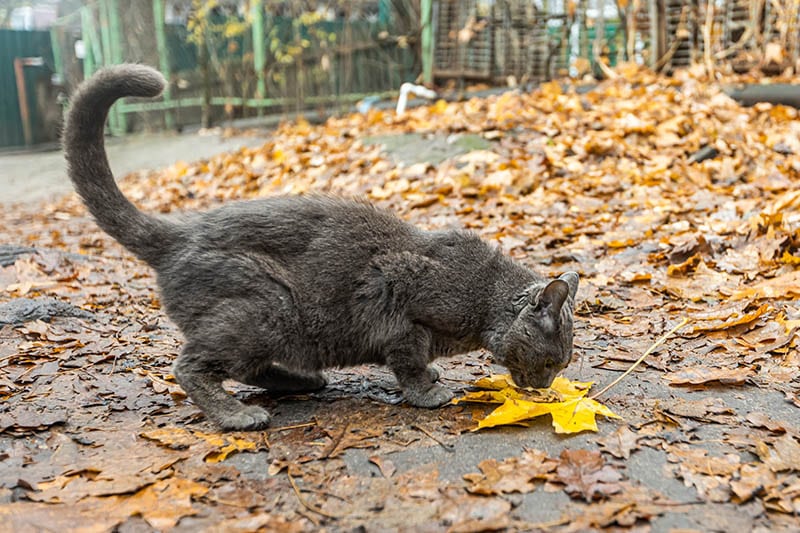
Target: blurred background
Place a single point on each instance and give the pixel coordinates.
(248, 59)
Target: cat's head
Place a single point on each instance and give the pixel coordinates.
(538, 344)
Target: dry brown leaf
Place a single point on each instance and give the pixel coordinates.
(701, 375)
(783, 455)
(620, 443)
(585, 475)
(515, 474)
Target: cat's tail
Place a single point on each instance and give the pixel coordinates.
(148, 237)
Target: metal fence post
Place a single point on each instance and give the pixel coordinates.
(163, 59)
(116, 57)
(259, 58)
(426, 9)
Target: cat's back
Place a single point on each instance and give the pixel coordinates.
(289, 225)
(319, 244)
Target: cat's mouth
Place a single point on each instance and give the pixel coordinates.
(534, 380)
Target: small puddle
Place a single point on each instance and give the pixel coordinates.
(413, 148)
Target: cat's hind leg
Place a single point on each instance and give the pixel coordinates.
(203, 383)
(278, 379)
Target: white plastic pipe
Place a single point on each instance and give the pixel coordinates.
(417, 90)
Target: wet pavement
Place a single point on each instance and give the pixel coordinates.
(35, 176)
(27, 176)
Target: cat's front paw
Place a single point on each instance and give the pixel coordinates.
(248, 418)
(434, 396)
(314, 382)
(433, 373)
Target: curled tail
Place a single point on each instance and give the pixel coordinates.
(148, 237)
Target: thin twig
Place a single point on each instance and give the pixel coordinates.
(650, 350)
(448, 447)
(296, 426)
(335, 442)
(303, 502)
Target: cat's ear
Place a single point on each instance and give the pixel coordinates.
(553, 296)
(548, 303)
(572, 280)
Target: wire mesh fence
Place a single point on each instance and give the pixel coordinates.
(228, 59)
(233, 59)
(536, 40)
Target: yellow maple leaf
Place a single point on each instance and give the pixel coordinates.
(220, 445)
(565, 401)
(225, 446)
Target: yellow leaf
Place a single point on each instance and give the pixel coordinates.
(221, 446)
(495, 382)
(439, 107)
(578, 415)
(565, 401)
(514, 411)
(788, 325)
(227, 445)
(789, 259)
(175, 438)
(570, 389)
(486, 396)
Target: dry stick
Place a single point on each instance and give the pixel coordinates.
(304, 503)
(296, 426)
(707, 25)
(650, 350)
(664, 59)
(448, 447)
(335, 442)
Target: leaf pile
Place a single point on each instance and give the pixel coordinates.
(615, 183)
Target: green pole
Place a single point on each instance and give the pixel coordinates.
(86, 37)
(259, 57)
(115, 27)
(163, 57)
(426, 8)
(55, 44)
(384, 13)
(105, 35)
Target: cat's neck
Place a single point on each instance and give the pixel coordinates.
(510, 282)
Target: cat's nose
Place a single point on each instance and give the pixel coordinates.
(541, 381)
(531, 379)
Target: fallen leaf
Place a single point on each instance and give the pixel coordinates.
(216, 447)
(783, 455)
(386, 466)
(174, 438)
(586, 475)
(162, 504)
(472, 514)
(701, 375)
(763, 420)
(734, 320)
(570, 409)
(515, 474)
(225, 446)
(620, 443)
(785, 286)
(752, 479)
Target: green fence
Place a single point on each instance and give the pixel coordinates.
(276, 57)
(24, 121)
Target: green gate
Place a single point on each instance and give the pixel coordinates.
(17, 45)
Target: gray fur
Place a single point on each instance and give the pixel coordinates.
(271, 292)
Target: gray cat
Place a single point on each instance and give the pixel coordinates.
(270, 292)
